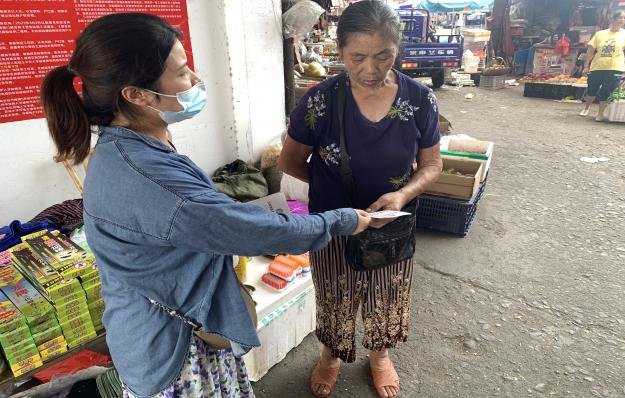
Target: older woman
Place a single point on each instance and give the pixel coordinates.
(390, 121)
(605, 60)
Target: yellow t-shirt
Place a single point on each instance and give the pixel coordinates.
(609, 47)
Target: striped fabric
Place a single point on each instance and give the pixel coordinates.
(382, 294)
(67, 216)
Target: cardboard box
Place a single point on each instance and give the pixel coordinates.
(445, 124)
(488, 155)
(458, 186)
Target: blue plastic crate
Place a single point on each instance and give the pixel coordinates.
(448, 215)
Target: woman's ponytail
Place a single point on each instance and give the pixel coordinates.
(65, 113)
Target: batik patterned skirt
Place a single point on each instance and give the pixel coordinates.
(208, 373)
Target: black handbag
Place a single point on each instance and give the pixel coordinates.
(375, 247)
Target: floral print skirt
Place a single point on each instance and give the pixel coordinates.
(382, 294)
(207, 373)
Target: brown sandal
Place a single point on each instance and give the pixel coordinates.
(324, 376)
(387, 377)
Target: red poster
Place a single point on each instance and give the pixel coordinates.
(37, 35)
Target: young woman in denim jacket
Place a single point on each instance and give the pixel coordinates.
(158, 228)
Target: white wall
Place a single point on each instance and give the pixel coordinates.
(237, 49)
(255, 44)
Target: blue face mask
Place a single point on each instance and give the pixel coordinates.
(192, 101)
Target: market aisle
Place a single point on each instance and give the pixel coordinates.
(531, 302)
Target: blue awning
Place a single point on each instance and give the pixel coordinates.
(456, 5)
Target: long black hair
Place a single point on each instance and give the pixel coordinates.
(114, 51)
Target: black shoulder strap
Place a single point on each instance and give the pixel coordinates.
(346, 170)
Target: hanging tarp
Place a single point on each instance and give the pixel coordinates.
(448, 5)
(416, 4)
(455, 5)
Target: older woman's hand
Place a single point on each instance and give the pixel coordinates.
(389, 201)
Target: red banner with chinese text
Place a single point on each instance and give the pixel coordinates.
(37, 35)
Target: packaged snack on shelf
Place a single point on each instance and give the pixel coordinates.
(79, 294)
(93, 290)
(10, 317)
(90, 276)
(47, 335)
(26, 365)
(282, 271)
(302, 259)
(54, 343)
(52, 348)
(19, 352)
(45, 278)
(291, 263)
(274, 282)
(52, 352)
(67, 258)
(80, 320)
(41, 327)
(76, 328)
(71, 309)
(35, 308)
(240, 268)
(82, 339)
(16, 336)
(96, 309)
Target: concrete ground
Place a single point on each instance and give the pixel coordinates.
(531, 303)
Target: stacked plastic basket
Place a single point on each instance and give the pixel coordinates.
(452, 216)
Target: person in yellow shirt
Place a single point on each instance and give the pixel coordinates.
(605, 60)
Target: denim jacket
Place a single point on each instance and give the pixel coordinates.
(159, 230)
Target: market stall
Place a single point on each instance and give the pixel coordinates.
(550, 40)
